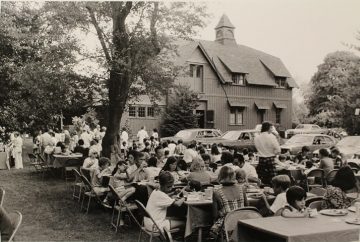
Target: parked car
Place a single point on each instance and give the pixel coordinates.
(304, 129)
(198, 135)
(349, 147)
(313, 141)
(235, 139)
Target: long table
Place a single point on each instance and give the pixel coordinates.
(320, 228)
(60, 160)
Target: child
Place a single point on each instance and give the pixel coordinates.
(98, 174)
(158, 203)
(295, 208)
(280, 185)
(91, 162)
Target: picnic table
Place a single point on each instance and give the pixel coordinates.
(60, 159)
(320, 228)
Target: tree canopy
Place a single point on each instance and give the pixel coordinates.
(334, 91)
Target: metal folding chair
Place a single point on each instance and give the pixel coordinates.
(2, 196)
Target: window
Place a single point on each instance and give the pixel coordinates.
(199, 71)
(278, 116)
(141, 112)
(196, 71)
(150, 112)
(238, 78)
(281, 82)
(132, 111)
(236, 116)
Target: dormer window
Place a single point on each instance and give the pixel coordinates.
(280, 82)
(238, 78)
(196, 71)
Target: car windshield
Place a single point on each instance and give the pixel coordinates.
(183, 134)
(231, 135)
(353, 141)
(298, 139)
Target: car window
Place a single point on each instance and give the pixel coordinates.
(244, 136)
(183, 134)
(319, 140)
(209, 134)
(328, 140)
(300, 126)
(200, 134)
(315, 127)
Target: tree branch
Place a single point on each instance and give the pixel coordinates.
(99, 33)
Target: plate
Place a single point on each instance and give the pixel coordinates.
(334, 212)
(352, 209)
(353, 221)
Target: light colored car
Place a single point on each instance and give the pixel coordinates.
(235, 139)
(349, 147)
(189, 135)
(313, 141)
(305, 129)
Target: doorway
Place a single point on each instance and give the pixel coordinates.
(201, 118)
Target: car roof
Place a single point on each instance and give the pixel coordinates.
(198, 129)
(313, 135)
(243, 130)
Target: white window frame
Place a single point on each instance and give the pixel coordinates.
(236, 116)
(238, 79)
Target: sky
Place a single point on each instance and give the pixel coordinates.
(300, 32)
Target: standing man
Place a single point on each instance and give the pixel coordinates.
(17, 151)
(124, 137)
(268, 147)
(141, 135)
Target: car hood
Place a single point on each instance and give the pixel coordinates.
(212, 140)
(289, 146)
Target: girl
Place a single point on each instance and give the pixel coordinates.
(170, 166)
(91, 162)
(295, 208)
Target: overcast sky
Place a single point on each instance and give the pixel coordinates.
(300, 32)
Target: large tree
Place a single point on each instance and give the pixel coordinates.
(135, 39)
(37, 80)
(335, 89)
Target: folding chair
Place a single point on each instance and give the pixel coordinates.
(316, 205)
(155, 232)
(120, 207)
(90, 193)
(86, 172)
(78, 184)
(70, 165)
(330, 176)
(318, 175)
(318, 191)
(168, 236)
(230, 221)
(34, 161)
(2, 196)
(313, 199)
(16, 219)
(45, 166)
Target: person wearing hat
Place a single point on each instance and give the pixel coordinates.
(229, 197)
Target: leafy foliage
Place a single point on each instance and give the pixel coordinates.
(335, 90)
(180, 114)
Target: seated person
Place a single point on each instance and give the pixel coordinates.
(198, 173)
(338, 160)
(241, 178)
(230, 196)
(208, 169)
(295, 207)
(118, 181)
(94, 146)
(171, 166)
(303, 156)
(158, 203)
(97, 176)
(91, 162)
(151, 170)
(136, 172)
(335, 195)
(251, 158)
(280, 185)
(249, 169)
(81, 149)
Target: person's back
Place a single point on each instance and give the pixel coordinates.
(327, 164)
(229, 198)
(266, 144)
(201, 176)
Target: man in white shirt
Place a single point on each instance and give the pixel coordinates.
(142, 134)
(268, 147)
(45, 140)
(86, 137)
(249, 169)
(190, 154)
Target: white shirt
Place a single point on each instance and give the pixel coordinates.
(267, 144)
(157, 207)
(142, 134)
(45, 139)
(91, 163)
(250, 170)
(152, 172)
(86, 137)
(280, 202)
(189, 155)
(171, 147)
(18, 143)
(124, 136)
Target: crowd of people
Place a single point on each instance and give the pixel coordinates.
(163, 164)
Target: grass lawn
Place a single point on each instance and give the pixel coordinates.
(50, 213)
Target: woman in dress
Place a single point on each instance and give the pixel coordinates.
(17, 151)
(335, 195)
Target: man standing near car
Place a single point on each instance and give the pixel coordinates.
(268, 147)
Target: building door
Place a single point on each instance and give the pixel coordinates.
(201, 118)
(261, 114)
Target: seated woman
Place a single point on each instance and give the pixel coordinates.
(335, 195)
(198, 172)
(151, 170)
(295, 208)
(99, 172)
(230, 196)
(171, 166)
(91, 162)
(158, 203)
